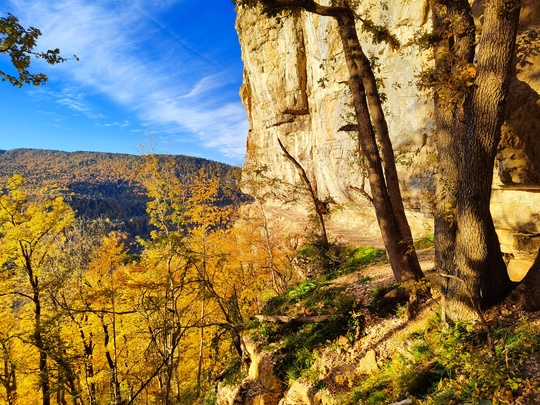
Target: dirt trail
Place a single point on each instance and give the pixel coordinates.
(298, 221)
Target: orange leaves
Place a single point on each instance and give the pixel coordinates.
(467, 75)
(106, 273)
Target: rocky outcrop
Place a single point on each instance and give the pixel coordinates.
(295, 89)
(260, 387)
(339, 366)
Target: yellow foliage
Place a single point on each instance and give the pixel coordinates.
(157, 328)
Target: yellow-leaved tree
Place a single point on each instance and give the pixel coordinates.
(31, 234)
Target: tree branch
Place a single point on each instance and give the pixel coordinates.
(308, 5)
(294, 319)
(317, 204)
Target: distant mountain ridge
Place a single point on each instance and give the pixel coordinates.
(107, 184)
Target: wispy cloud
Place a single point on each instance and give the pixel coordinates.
(129, 56)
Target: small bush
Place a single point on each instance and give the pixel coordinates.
(336, 260)
(365, 256)
(318, 258)
(233, 373)
(310, 297)
(296, 355)
(294, 343)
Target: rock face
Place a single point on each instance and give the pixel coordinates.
(260, 387)
(295, 89)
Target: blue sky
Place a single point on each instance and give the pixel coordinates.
(164, 73)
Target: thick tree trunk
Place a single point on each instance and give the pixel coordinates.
(454, 31)
(468, 131)
(478, 255)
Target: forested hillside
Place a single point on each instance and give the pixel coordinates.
(108, 185)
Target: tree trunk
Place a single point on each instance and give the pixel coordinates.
(478, 255)
(380, 126)
(454, 29)
(9, 378)
(111, 362)
(201, 348)
(44, 377)
(468, 131)
(88, 361)
(44, 381)
(401, 254)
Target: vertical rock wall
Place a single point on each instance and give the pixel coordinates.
(295, 88)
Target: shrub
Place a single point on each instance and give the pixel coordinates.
(335, 259)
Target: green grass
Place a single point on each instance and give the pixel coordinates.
(294, 344)
(337, 260)
(443, 364)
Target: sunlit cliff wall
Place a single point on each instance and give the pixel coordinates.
(295, 89)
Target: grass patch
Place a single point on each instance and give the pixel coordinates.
(364, 256)
(300, 344)
(310, 297)
(233, 373)
(294, 345)
(444, 365)
(337, 260)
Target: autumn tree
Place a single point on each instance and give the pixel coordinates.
(372, 128)
(171, 286)
(31, 234)
(200, 282)
(74, 296)
(19, 44)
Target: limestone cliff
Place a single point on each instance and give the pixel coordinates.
(295, 89)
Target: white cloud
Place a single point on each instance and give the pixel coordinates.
(126, 54)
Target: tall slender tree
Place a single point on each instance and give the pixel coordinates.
(31, 233)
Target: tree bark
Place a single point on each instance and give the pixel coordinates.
(478, 255)
(401, 253)
(44, 376)
(469, 129)
(454, 45)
